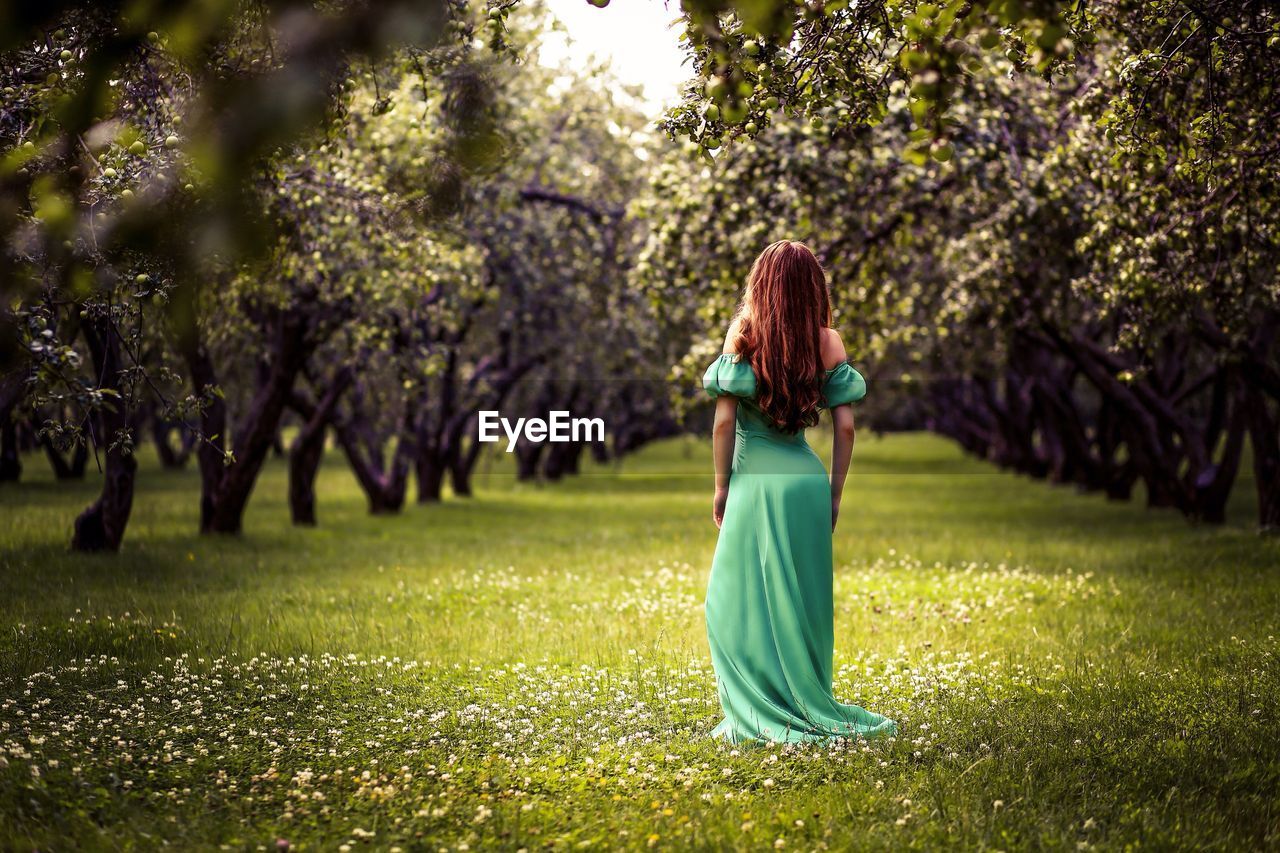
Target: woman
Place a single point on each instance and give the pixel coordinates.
(769, 609)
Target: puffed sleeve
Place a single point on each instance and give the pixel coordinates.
(728, 376)
(844, 385)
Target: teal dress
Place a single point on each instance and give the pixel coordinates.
(769, 607)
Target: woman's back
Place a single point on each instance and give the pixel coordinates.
(740, 379)
(769, 608)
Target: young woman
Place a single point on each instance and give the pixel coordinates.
(769, 608)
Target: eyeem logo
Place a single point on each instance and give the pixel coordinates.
(559, 427)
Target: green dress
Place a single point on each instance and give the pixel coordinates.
(769, 607)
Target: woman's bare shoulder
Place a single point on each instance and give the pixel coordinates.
(731, 337)
(833, 352)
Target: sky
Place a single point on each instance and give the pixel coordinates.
(633, 35)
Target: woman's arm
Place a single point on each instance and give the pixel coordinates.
(722, 438)
(833, 355)
(841, 452)
(723, 435)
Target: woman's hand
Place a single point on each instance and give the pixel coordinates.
(835, 511)
(717, 506)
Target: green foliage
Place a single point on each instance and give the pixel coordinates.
(1113, 226)
(844, 65)
(140, 148)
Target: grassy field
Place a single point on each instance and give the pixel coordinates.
(528, 669)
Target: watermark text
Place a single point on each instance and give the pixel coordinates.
(557, 427)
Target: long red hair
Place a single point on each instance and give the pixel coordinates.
(784, 310)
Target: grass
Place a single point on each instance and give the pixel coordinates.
(528, 668)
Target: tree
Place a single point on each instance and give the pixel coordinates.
(518, 270)
(110, 215)
(993, 268)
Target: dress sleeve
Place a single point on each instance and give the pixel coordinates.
(844, 385)
(727, 376)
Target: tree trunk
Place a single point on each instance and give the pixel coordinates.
(552, 465)
(1118, 476)
(1072, 459)
(432, 459)
(210, 454)
(213, 423)
(1154, 459)
(430, 477)
(1213, 484)
(304, 463)
(1264, 435)
(225, 488)
(256, 433)
(573, 458)
(101, 526)
(528, 456)
(600, 452)
(308, 449)
(11, 392)
(639, 432)
(462, 423)
(385, 502)
(462, 462)
(171, 458)
(1011, 447)
(460, 475)
(164, 450)
(64, 469)
(10, 460)
(561, 460)
(471, 458)
(384, 486)
(957, 414)
(364, 455)
(79, 460)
